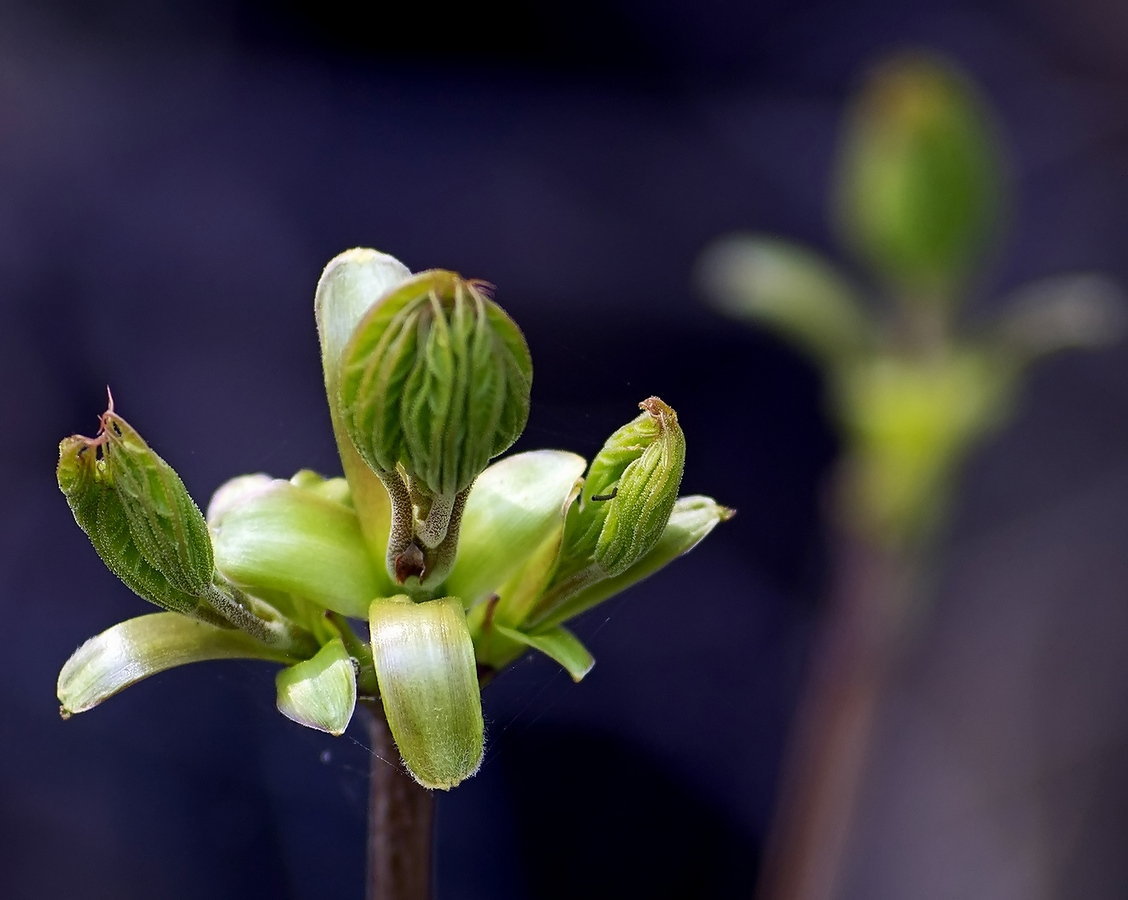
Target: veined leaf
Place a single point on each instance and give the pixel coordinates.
(558, 644)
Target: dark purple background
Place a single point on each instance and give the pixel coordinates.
(172, 179)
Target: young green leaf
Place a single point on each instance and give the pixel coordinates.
(351, 283)
(435, 382)
(138, 516)
(690, 522)
(789, 289)
(558, 644)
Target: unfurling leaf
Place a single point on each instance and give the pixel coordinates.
(139, 516)
(434, 383)
(428, 677)
(628, 495)
(645, 492)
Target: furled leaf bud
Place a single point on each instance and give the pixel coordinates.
(629, 492)
(138, 515)
(434, 383)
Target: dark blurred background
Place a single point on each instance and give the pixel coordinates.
(173, 176)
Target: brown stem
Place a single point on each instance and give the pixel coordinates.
(400, 813)
(830, 739)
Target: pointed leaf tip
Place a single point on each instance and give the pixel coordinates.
(558, 644)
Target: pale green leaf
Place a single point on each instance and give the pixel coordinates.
(515, 505)
(525, 586)
(788, 289)
(1063, 312)
(428, 678)
(350, 284)
(137, 648)
(273, 536)
(320, 693)
(692, 519)
(558, 644)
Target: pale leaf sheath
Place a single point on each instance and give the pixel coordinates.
(320, 693)
(516, 504)
(137, 648)
(428, 677)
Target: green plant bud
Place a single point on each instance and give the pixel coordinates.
(319, 693)
(137, 648)
(645, 494)
(139, 516)
(428, 677)
(434, 383)
(629, 492)
(920, 179)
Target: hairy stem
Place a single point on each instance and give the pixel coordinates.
(400, 814)
(237, 609)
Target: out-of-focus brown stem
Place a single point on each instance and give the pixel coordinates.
(830, 739)
(400, 814)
